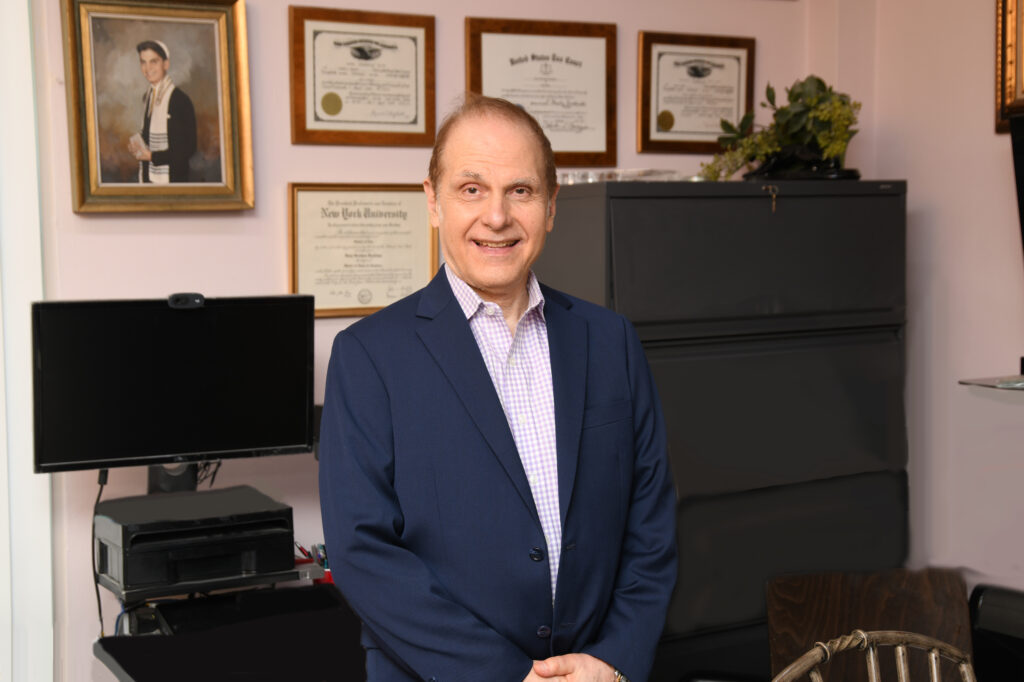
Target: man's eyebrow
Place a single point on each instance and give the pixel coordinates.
(528, 180)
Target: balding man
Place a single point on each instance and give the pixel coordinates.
(496, 497)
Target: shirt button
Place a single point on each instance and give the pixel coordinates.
(543, 632)
(536, 554)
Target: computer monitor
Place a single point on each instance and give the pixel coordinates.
(178, 380)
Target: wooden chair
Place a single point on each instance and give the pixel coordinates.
(808, 665)
(807, 607)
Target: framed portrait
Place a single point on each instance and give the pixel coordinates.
(361, 77)
(1009, 52)
(158, 106)
(562, 72)
(358, 248)
(686, 85)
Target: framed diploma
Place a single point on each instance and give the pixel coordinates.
(357, 248)
(563, 73)
(158, 105)
(361, 77)
(1009, 52)
(686, 85)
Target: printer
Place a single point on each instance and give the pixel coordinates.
(180, 542)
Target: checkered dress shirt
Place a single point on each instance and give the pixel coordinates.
(520, 368)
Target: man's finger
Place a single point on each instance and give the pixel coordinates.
(556, 665)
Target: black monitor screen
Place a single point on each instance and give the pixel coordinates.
(122, 383)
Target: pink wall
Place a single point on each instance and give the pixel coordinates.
(935, 90)
(924, 72)
(245, 253)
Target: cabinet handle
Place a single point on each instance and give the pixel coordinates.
(773, 191)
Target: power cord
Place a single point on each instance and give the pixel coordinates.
(207, 471)
(95, 571)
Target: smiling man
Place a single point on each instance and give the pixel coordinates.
(167, 139)
(496, 498)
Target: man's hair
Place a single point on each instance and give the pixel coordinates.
(474, 105)
(152, 45)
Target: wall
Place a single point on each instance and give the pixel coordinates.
(935, 94)
(246, 253)
(924, 72)
(26, 596)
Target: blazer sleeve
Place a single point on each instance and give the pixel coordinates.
(647, 565)
(406, 610)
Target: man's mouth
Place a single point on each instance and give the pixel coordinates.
(496, 245)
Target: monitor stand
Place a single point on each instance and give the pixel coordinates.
(171, 478)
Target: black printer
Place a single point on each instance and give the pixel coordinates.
(179, 542)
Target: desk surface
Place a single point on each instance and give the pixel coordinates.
(303, 633)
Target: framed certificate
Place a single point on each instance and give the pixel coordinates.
(361, 77)
(686, 85)
(358, 248)
(563, 73)
(158, 105)
(1009, 52)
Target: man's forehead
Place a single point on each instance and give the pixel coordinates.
(469, 129)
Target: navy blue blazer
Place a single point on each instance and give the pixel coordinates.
(430, 526)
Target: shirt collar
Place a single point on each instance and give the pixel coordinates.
(471, 303)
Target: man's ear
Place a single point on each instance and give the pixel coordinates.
(435, 218)
(551, 208)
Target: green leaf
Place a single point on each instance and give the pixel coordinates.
(729, 127)
(747, 123)
(770, 94)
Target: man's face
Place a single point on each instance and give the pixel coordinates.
(154, 67)
(491, 206)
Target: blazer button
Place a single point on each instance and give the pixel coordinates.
(536, 554)
(543, 632)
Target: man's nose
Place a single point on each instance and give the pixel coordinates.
(496, 213)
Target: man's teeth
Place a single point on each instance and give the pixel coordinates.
(496, 245)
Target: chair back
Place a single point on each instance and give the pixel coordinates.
(809, 666)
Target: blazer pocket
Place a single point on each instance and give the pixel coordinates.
(599, 415)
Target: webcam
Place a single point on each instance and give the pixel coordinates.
(185, 301)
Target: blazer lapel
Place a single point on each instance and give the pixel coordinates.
(445, 332)
(567, 344)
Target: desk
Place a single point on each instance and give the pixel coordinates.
(301, 633)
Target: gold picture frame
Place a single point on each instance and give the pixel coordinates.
(1009, 54)
(112, 105)
(686, 85)
(562, 72)
(361, 78)
(359, 247)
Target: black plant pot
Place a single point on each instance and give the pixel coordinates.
(801, 163)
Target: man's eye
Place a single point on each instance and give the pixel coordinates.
(472, 190)
(521, 191)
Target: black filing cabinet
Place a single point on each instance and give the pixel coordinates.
(772, 315)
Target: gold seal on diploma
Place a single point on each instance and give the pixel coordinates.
(331, 103)
(665, 120)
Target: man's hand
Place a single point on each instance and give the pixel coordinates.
(571, 668)
(139, 149)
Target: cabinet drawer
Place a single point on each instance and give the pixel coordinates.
(714, 258)
(745, 413)
(730, 545)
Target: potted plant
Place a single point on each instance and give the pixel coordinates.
(807, 137)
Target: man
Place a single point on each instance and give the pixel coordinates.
(495, 493)
(168, 137)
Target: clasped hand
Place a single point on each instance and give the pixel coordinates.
(571, 668)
